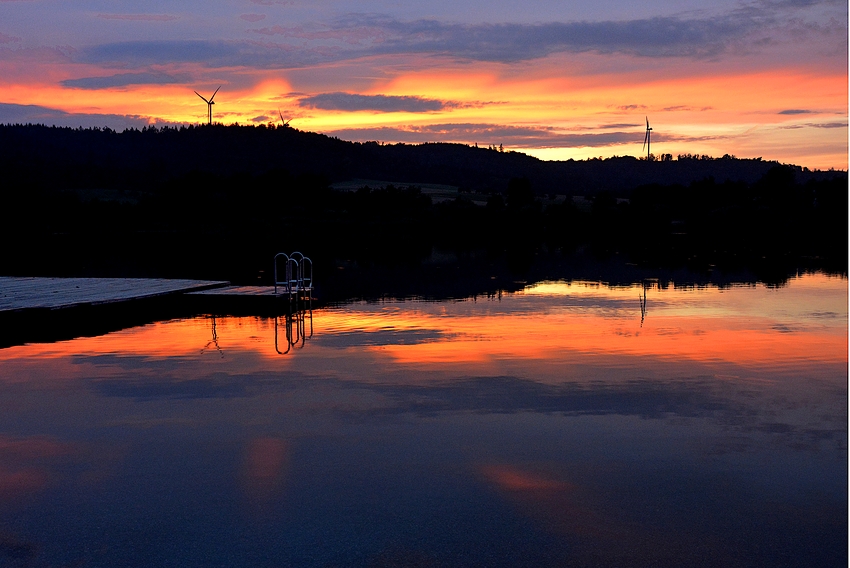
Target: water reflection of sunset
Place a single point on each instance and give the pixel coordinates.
(554, 322)
(755, 326)
(554, 426)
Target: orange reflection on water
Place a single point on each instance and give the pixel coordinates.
(264, 469)
(556, 322)
(175, 338)
(25, 465)
(753, 326)
(512, 479)
(583, 513)
(560, 506)
(490, 338)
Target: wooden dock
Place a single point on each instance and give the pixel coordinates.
(18, 294)
(247, 300)
(53, 309)
(236, 291)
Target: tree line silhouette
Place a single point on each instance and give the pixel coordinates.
(219, 202)
(141, 159)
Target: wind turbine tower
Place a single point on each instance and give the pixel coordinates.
(210, 102)
(647, 140)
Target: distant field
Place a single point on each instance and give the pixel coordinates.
(437, 192)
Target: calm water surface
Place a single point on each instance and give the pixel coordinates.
(567, 425)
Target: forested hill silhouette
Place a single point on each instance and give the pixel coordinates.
(56, 158)
(217, 202)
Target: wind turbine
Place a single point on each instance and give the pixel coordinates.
(283, 122)
(647, 139)
(210, 102)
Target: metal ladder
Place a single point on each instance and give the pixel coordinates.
(296, 276)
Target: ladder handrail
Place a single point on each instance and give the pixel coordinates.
(299, 273)
(292, 275)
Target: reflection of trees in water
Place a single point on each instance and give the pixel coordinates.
(298, 328)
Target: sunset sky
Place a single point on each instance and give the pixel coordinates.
(556, 79)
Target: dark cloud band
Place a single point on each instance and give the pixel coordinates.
(211, 53)
(515, 137)
(124, 80)
(34, 114)
(358, 35)
(381, 103)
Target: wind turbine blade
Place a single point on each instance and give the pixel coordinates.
(281, 116)
(199, 94)
(213, 96)
(647, 123)
(645, 138)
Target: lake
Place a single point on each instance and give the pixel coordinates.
(569, 424)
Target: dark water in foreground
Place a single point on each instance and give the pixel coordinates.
(567, 425)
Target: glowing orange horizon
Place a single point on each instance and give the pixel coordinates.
(731, 112)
